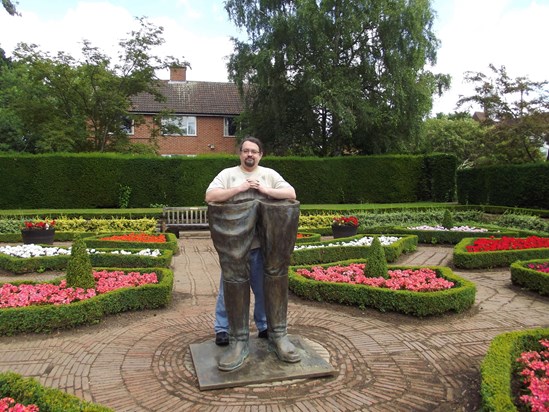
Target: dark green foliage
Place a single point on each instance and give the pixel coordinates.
(46, 318)
(377, 265)
(79, 267)
(457, 299)
(498, 368)
(523, 276)
(29, 391)
(447, 220)
(525, 185)
(26, 179)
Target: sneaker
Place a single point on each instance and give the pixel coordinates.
(221, 338)
(264, 334)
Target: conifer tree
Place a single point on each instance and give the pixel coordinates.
(376, 266)
(447, 220)
(79, 268)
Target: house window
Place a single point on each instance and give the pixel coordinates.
(179, 126)
(127, 126)
(229, 126)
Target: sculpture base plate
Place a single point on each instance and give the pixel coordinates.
(261, 366)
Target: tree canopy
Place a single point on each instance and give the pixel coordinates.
(57, 103)
(329, 77)
(516, 110)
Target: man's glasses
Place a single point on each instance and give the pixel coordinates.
(248, 151)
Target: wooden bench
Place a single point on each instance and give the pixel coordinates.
(175, 219)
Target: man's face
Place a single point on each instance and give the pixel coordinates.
(250, 155)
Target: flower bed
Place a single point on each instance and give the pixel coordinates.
(307, 237)
(532, 275)
(29, 391)
(35, 258)
(500, 370)
(458, 298)
(437, 234)
(497, 255)
(118, 241)
(355, 247)
(45, 318)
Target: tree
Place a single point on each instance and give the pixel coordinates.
(329, 77)
(10, 8)
(517, 112)
(62, 104)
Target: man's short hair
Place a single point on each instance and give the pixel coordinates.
(252, 140)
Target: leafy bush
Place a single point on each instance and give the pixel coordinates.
(79, 268)
(377, 265)
(95, 225)
(29, 391)
(447, 220)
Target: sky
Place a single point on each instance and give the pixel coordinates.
(472, 35)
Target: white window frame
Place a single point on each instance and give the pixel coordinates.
(226, 126)
(187, 125)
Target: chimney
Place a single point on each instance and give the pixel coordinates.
(178, 74)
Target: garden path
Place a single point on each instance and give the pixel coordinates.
(385, 362)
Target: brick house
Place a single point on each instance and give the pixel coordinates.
(204, 112)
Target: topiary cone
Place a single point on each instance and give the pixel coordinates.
(376, 265)
(79, 268)
(447, 220)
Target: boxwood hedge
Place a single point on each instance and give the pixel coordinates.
(534, 280)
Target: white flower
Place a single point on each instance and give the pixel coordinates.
(364, 241)
(32, 250)
(453, 229)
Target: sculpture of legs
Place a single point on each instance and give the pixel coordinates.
(278, 224)
(232, 227)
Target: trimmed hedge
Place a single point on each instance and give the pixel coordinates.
(310, 237)
(441, 236)
(29, 391)
(530, 279)
(458, 299)
(96, 242)
(18, 265)
(45, 318)
(337, 253)
(486, 260)
(499, 365)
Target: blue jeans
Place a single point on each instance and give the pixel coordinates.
(221, 323)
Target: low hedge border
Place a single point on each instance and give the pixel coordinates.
(499, 366)
(458, 299)
(310, 237)
(441, 236)
(337, 253)
(96, 242)
(28, 391)
(59, 236)
(45, 318)
(486, 260)
(530, 279)
(19, 266)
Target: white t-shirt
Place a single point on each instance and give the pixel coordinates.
(235, 176)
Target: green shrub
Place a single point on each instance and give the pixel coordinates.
(485, 260)
(447, 220)
(498, 367)
(534, 280)
(457, 299)
(79, 267)
(46, 318)
(377, 264)
(29, 391)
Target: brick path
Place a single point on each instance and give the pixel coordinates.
(385, 362)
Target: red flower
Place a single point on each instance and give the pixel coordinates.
(507, 243)
(38, 225)
(137, 237)
(345, 221)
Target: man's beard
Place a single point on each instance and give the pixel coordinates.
(250, 161)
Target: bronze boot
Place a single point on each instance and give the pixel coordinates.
(277, 232)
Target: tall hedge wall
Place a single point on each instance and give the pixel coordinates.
(525, 185)
(94, 180)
